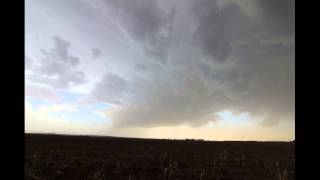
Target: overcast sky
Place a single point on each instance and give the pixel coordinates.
(210, 69)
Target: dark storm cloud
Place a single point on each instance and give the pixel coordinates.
(57, 68)
(271, 89)
(218, 27)
(228, 61)
(161, 103)
(261, 80)
(146, 23)
(279, 16)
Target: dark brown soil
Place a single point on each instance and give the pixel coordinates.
(82, 157)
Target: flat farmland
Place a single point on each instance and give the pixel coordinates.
(65, 157)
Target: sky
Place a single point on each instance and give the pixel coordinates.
(201, 69)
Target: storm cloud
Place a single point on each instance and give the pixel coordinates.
(169, 63)
(145, 23)
(229, 65)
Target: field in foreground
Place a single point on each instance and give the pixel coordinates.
(82, 157)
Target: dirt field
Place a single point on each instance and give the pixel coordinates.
(82, 157)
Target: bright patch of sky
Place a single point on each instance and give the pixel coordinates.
(230, 117)
(90, 114)
(75, 113)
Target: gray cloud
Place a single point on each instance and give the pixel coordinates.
(222, 59)
(279, 16)
(57, 68)
(141, 67)
(112, 88)
(271, 89)
(28, 62)
(96, 53)
(146, 23)
(218, 27)
(159, 103)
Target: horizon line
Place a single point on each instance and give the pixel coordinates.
(171, 139)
